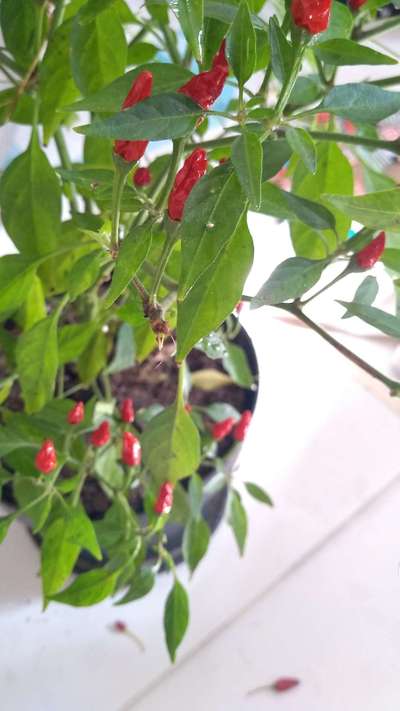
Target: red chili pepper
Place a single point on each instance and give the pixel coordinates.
(142, 177)
(356, 4)
(76, 414)
(312, 15)
(165, 498)
(141, 89)
(127, 410)
(222, 429)
(240, 431)
(131, 450)
(186, 178)
(323, 117)
(285, 684)
(205, 88)
(102, 435)
(188, 407)
(371, 253)
(46, 458)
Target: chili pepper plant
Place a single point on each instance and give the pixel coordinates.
(187, 116)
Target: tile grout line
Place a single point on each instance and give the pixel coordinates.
(282, 577)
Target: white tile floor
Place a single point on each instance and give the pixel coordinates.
(317, 594)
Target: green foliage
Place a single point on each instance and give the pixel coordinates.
(176, 617)
(237, 519)
(289, 280)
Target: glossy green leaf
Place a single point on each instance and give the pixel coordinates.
(16, 273)
(88, 588)
(236, 365)
(124, 356)
(132, 253)
(363, 103)
(141, 52)
(171, 444)
(141, 585)
(166, 78)
(156, 118)
(290, 280)
(98, 50)
(56, 85)
(301, 143)
(85, 272)
(37, 362)
(391, 259)
(366, 293)
(384, 322)
(212, 214)
(241, 44)
(5, 523)
(237, 519)
(258, 493)
(34, 307)
(73, 339)
(345, 52)
(216, 293)
(276, 155)
(30, 199)
(9, 441)
(379, 210)
(334, 174)
(88, 177)
(247, 158)
(26, 490)
(81, 532)
(195, 542)
(94, 357)
(227, 11)
(58, 557)
(176, 617)
(281, 51)
(190, 14)
(195, 495)
(285, 205)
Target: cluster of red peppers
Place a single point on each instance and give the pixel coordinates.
(369, 255)
(238, 428)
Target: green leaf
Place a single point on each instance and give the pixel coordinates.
(73, 339)
(124, 356)
(26, 490)
(88, 177)
(190, 14)
(216, 293)
(141, 52)
(237, 519)
(94, 357)
(247, 158)
(34, 308)
(242, 45)
(290, 280)
(58, 557)
(391, 259)
(236, 365)
(88, 588)
(227, 11)
(142, 584)
(30, 200)
(98, 50)
(16, 273)
(196, 494)
(81, 532)
(379, 210)
(365, 294)
(166, 78)
(340, 25)
(88, 12)
(302, 144)
(276, 155)
(171, 444)
(363, 103)
(285, 205)
(37, 362)
(56, 85)
(9, 441)
(281, 51)
(195, 542)
(176, 617)
(212, 214)
(258, 493)
(132, 253)
(5, 523)
(85, 272)
(334, 174)
(18, 25)
(345, 52)
(384, 322)
(154, 119)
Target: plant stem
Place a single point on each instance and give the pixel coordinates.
(345, 272)
(393, 385)
(120, 175)
(165, 280)
(289, 83)
(378, 29)
(66, 164)
(170, 44)
(57, 18)
(387, 81)
(165, 255)
(82, 474)
(393, 146)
